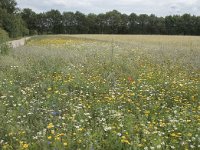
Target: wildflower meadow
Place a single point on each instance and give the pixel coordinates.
(101, 92)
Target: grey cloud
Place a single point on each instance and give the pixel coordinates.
(158, 7)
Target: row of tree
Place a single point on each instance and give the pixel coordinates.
(112, 22)
(22, 22)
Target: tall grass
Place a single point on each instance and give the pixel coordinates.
(4, 48)
(63, 92)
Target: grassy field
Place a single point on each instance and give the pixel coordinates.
(101, 92)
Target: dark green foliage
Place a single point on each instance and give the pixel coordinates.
(9, 5)
(92, 24)
(54, 22)
(10, 20)
(69, 23)
(133, 23)
(41, 25)
(30, 18)
(113, 22)
(4, 48)
(81, 23)
(14, 25)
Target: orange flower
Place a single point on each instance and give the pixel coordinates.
(130, 79)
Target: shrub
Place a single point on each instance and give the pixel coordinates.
(33, 32)
(4, 48)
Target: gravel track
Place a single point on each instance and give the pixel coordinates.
(18, 43)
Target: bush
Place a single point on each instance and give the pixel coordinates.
(33, 32)
(4, 48)
(13, 24)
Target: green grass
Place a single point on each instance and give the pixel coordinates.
(4, 47)
(101, 92)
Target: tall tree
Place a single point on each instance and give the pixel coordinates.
(30, 17)
(54, 21)
(113, 21)
(41, 23)
(197, 26)
(143, 21)
(187, 24)
(92, 24)
(123, 27)
(14, 25)
(69, 23)
(101, 23)
(81, 23)
(170, 24)
(9, 5)
(10, 20)
(133, 23)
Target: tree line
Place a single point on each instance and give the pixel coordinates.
(23, 22)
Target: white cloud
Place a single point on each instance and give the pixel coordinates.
(158, 7)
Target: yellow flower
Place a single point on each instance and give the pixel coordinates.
(79, 141)
(123, 137)
(147, 113)
(5, 146)
(61, 134)
(52, 132)
(80, 129)
(193, 98)
(181, 85)
(25, 146)
(132, 94)
(162, 124)
(49, 137)
(140, 145)
(56, 92)
(189, 134)
(176, 135)
(125, 141)
(57, 138)
(65, 144)
(50, 126)
(10, 134)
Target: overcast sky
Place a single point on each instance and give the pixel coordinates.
(158, 7)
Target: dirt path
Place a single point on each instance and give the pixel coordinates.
(17, 43)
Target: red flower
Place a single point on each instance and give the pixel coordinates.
(130, 79)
